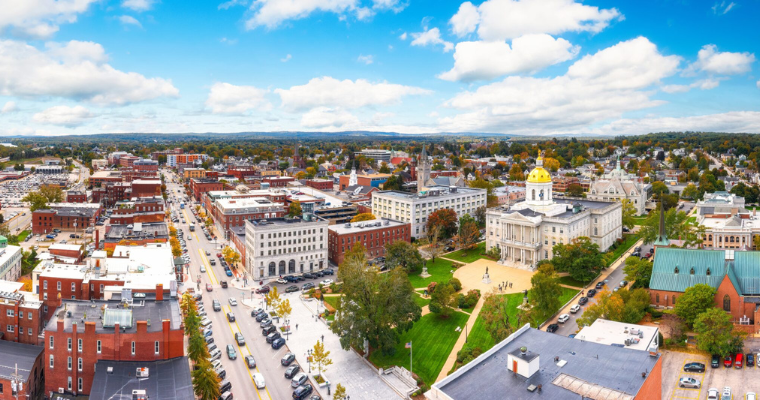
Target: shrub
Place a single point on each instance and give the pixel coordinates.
(431, 287)
(470, 299)
(468, 353)
(456, 284)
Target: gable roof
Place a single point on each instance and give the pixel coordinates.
(667, 259)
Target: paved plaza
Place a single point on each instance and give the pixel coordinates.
(471, 276)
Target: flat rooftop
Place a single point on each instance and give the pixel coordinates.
(587, 364)
(248, 204)
(281, 222)
(166, 380)
(364, 226)
(103, 312)
(615, 333)
(443, 192)
(17, 355)
(146, 231)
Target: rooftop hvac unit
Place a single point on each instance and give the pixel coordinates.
(143, 372)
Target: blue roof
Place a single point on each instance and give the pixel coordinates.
(667, 259)
(746, 267)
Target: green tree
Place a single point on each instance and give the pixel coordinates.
(375, 307)
(446, 218)
(205, 381)
(694, 301)
(629, 212)
(545, 291)
(403, 254)
(495, 314)
(676, 226)
(636, 303)
(36, 201)
(638, 271)
(659, 188)
(394, 182)
(575, 190)
(581, 258)
(442, 300)
(294, 209)
(690, 192)
(716, 334)
(196, 348)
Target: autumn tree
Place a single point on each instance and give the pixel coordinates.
(468, 232)
(516, 173)
(363, 217)
(551, 164)
(435, 249)
(294, 209)
(320, 357)
(230, 255)
(608, 306)
(272, 298)
(495, 314)
(446, 218)
(340, 393)
(545, 291)
(442, 300)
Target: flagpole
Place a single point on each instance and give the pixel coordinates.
(411, 350)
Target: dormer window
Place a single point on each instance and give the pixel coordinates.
(708, 272)
(676, 270)
(692, 270)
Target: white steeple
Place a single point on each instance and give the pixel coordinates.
(352, 179)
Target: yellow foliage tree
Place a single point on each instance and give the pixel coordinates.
(363, 217)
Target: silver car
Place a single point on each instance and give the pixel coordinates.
(689, 382)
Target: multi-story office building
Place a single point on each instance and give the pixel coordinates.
(230, 213)
(172, 160)
(374, 235)
(378, 155)
(285, 246)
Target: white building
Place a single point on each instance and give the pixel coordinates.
(99, 163)
(10, 261)
(278, 247)
(414, 208)
(617, 185)
(527, 231)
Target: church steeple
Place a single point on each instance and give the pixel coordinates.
(423, 171)
(662, 237)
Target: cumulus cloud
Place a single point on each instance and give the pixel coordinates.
(487, 60)
(40, 18)
(9, 107)
(138, 5)
(272, 13)
(130, 20)
(63, 116)
(711, 61)
(704, 84)
(431, 37)
(326, 117)
(595, 88)
(367, 60)
(80, 73)
(733, 122)
(330, 92)
(402, 36)
(498, 20)
(225, 98)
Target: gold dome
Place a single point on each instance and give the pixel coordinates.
(539, 175)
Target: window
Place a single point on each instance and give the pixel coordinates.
(68, 363)
(69, 383)
(52, 340)
(59, 285)
(157, 347)
(52, 361)
(73, 287)
(68, 344)
(133, 348)
(30, 315)
(11, 328)
(9, 313)
(99, 347)
(44, 285)
(79, 344)
(657, 298)
(79, 365)
(726, 303)
(20, 315)
(79, 384)
(29, 331)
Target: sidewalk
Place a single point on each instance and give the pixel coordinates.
(452, 358)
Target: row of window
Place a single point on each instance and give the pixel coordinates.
(291, 250)
(51, 344)
(292, 233)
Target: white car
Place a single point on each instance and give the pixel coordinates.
(713, 394)
(233, 302)
(574, 309)
(258, 379)
(563, 318)
(750, 396)
(281, 281)
(326, 282)
(203, 268)
(726, 395)
(689, 382)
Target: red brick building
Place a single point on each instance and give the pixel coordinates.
(146, 188)
(200, 186)
(320, 184)
(100, 178)
(374, 235)
(73, 196)
(131, 174)
(237, 236)
(63, 216)
(28, 361)
(142, 210)
(241, 172)
(277, 181)
(73, 253)
(128, 161)
(83, 332)
(230, 213)
(22, 320)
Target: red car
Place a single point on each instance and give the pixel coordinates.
(728, 361)
(209, 287)
(218, 255)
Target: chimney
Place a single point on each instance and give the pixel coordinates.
(160, 292)
(97, 239)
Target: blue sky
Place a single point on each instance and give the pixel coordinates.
(527, 67)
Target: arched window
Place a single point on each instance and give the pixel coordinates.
(541, 195)
(533, 196)
(282, 267)
(292, 266)
(272, 269)
(726, 303)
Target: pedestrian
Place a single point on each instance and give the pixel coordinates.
(500, 287)
(510, 285)
(296, 326)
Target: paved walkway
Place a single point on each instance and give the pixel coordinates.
(452, 358)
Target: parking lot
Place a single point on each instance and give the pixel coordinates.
(741, 381)
(12, 191)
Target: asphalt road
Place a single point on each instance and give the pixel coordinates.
(267, 359)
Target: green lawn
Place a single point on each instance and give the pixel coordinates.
(440, 271)
(628, 241)
(468, 256)
(332, 300)
(568, 280)
(432, 340)
(23, 235)
(479, 337)
(422, 302)
(640, 220)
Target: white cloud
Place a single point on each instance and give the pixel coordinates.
(130, 20)
(40, 18)
(286, 58)
(225, 98)
(758, 84)
(723, 7)
(138, 5)
(63, 116)
(9, 107)
(330, 92)
(325, 117)
(402, 36)
(431, 37)
(704, 84)
(508, 19)
(367, 60)
(733, 122)
(394, 5)
(271, 13)
(710, 60)
(596, 88)
(487, 60)
(228, 41)
(79, 74)
(465, 20)
(231, 3)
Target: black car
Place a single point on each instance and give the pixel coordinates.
(319, 274)
(309, 275)
(224, 284)
(750, 360)
(307, 286)
(269, 329)
(299, 278)
(292, 371)
(277, 343)
(291, 289)
(715, 362)
(694, 367)
(591, 293)
(552, 328)
(302, 391)
(273, 336)
(599, 285)
(261, 317)
(583, 300)
(288, 359)
(328, 271)
(290, 278)
(250, 362)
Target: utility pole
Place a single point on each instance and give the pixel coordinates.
(17, 385)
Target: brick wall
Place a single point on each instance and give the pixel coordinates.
(652, 387)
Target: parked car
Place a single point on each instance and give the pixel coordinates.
(713, 394)
(261, 316)
(599, 285)
(258, 379)
(263, 289)
(623, 284)
(290, 278)
(326, 282)
(309, 275)
(583, 300)
(225, 386)
(728, 361)
(231, 353)
(288, 359)
(267, 330)
(563, 318)
(302, 391)
(689, 382)
(694, 367)
(591, 293)
(228, 272)
(291, 289)
(265, 323)
(750, 360)
(306, 286)
(574, 309)
(750, 396)
(282, 281)
(328, 271)
(739, 361)
(273, 336)
(299, 380)
(552, 328)
(292, 371)
(726, 395)
(250, 362)
(715, 362)
(278, 343)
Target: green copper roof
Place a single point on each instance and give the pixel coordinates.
(667, 259)
(746, 267)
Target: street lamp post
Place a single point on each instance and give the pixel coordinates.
(308, 359)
